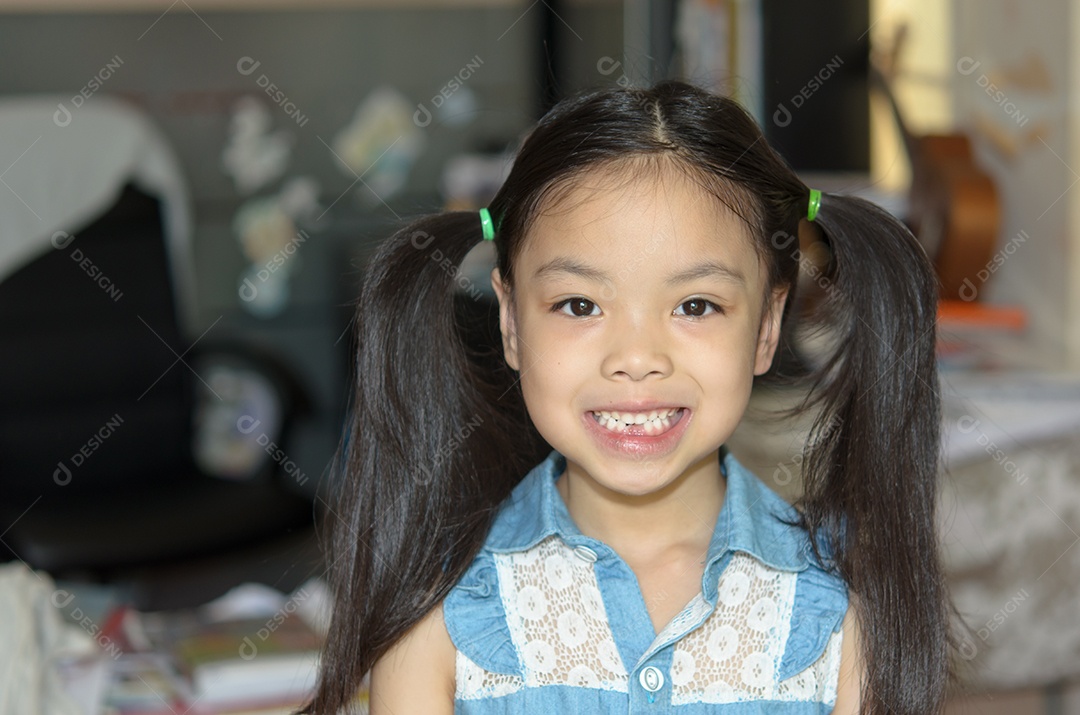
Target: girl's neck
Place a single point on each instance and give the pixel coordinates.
(680, 516)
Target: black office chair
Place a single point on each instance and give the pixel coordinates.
(119, 447)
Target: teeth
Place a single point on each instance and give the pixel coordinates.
(653, 422)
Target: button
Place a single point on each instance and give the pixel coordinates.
(585, 553)
(651, 679)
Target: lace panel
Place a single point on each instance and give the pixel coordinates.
(474, 683)
(557, 619)
(558, 625)
(734, 655)
(692, 613)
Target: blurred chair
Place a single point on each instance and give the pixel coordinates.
(126, 441)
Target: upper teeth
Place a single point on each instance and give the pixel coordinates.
(637, 418)
(653, 419)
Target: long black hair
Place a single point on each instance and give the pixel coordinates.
(438, 436)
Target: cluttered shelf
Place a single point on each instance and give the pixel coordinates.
(253, 651)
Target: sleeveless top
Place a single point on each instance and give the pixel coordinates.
(548, 620)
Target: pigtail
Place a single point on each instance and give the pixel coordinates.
(870, 468)
(437, 437)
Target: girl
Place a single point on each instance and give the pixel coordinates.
(569, 534)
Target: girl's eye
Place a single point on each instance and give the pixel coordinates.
(579, 307)
(696, 307)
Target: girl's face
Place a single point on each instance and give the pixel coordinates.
(638, 292)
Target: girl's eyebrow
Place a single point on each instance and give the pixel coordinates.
(707, 269)
(704, 269)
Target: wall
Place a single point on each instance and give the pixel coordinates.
(182, 68)
(1015, 99)
(1004, 74)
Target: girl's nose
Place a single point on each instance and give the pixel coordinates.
(637, 352)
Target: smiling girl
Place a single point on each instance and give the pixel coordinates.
(592, 546)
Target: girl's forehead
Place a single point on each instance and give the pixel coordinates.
(640, 218)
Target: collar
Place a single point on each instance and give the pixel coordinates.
(751, 519)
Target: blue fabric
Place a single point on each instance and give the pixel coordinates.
(751, 521)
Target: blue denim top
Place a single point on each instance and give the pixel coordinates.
(793, 668)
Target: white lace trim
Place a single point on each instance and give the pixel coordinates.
(475, 683)
(557, 618)
(734, 656)
(691, 614)
(559, 627)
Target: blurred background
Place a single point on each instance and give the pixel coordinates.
(189, 192)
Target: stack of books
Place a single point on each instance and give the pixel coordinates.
(236, 656)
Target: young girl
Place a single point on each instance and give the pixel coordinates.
(561, 530)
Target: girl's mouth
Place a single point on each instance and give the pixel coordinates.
(657, 433)
(652, 423)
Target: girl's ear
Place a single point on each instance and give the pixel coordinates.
(507, 324)
(769, 333)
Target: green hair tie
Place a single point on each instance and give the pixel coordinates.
(815, 204)
(487, 225)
